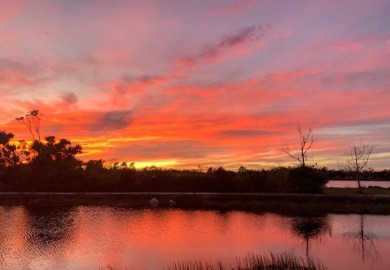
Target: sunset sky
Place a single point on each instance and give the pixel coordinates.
(211, 83)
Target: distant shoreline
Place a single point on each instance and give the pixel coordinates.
(365, 180)
(258, 202)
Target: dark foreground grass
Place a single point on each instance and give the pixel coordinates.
(284, 261)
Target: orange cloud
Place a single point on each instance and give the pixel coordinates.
(187, 86)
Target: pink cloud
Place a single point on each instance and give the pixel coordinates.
(14, 74)
(238, 6)
(143, 80)
(13, 9)
(129, 90)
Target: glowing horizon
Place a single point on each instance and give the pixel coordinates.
(188, 84)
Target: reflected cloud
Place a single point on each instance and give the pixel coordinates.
(89, 237)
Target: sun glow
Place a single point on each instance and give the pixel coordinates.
(156, 163)
(225, 95)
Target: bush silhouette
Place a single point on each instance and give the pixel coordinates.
(307, 180)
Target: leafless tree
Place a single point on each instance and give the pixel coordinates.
(32, 120)
(357, 160)
(299, 152)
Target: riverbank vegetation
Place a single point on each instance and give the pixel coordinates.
(284, 261)
(50, 165)
(71, 175)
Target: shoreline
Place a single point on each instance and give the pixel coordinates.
(255, 202)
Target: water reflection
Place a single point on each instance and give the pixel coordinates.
(12, 230)
(30, 235)
(49, 227)
(310, 227)
(364, 241)
(96, 237)
(354, 184)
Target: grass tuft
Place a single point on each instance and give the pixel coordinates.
(283, 261)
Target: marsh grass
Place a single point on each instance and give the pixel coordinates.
(196, 265)
(283, 261)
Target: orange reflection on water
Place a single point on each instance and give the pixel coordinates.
(152, 237)
(96, 237)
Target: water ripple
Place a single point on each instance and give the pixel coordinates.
(95, 237)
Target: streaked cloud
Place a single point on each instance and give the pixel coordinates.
(235, 7)
(246, 133)
(221, 83)
(246, 34)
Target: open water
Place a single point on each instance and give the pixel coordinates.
(121, 238)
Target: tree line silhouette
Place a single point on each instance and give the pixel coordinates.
(52, 165)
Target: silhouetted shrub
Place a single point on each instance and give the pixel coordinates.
(307, 180)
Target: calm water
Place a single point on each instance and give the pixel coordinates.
(97, 237)
(344, 184)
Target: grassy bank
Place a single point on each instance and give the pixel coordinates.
(354, 191)
(332, 201)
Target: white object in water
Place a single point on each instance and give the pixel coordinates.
(153, 202)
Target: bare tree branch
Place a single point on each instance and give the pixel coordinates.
(357, 160)
(32, 120)
(306, 142)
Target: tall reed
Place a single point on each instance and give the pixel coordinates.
(283, 261)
